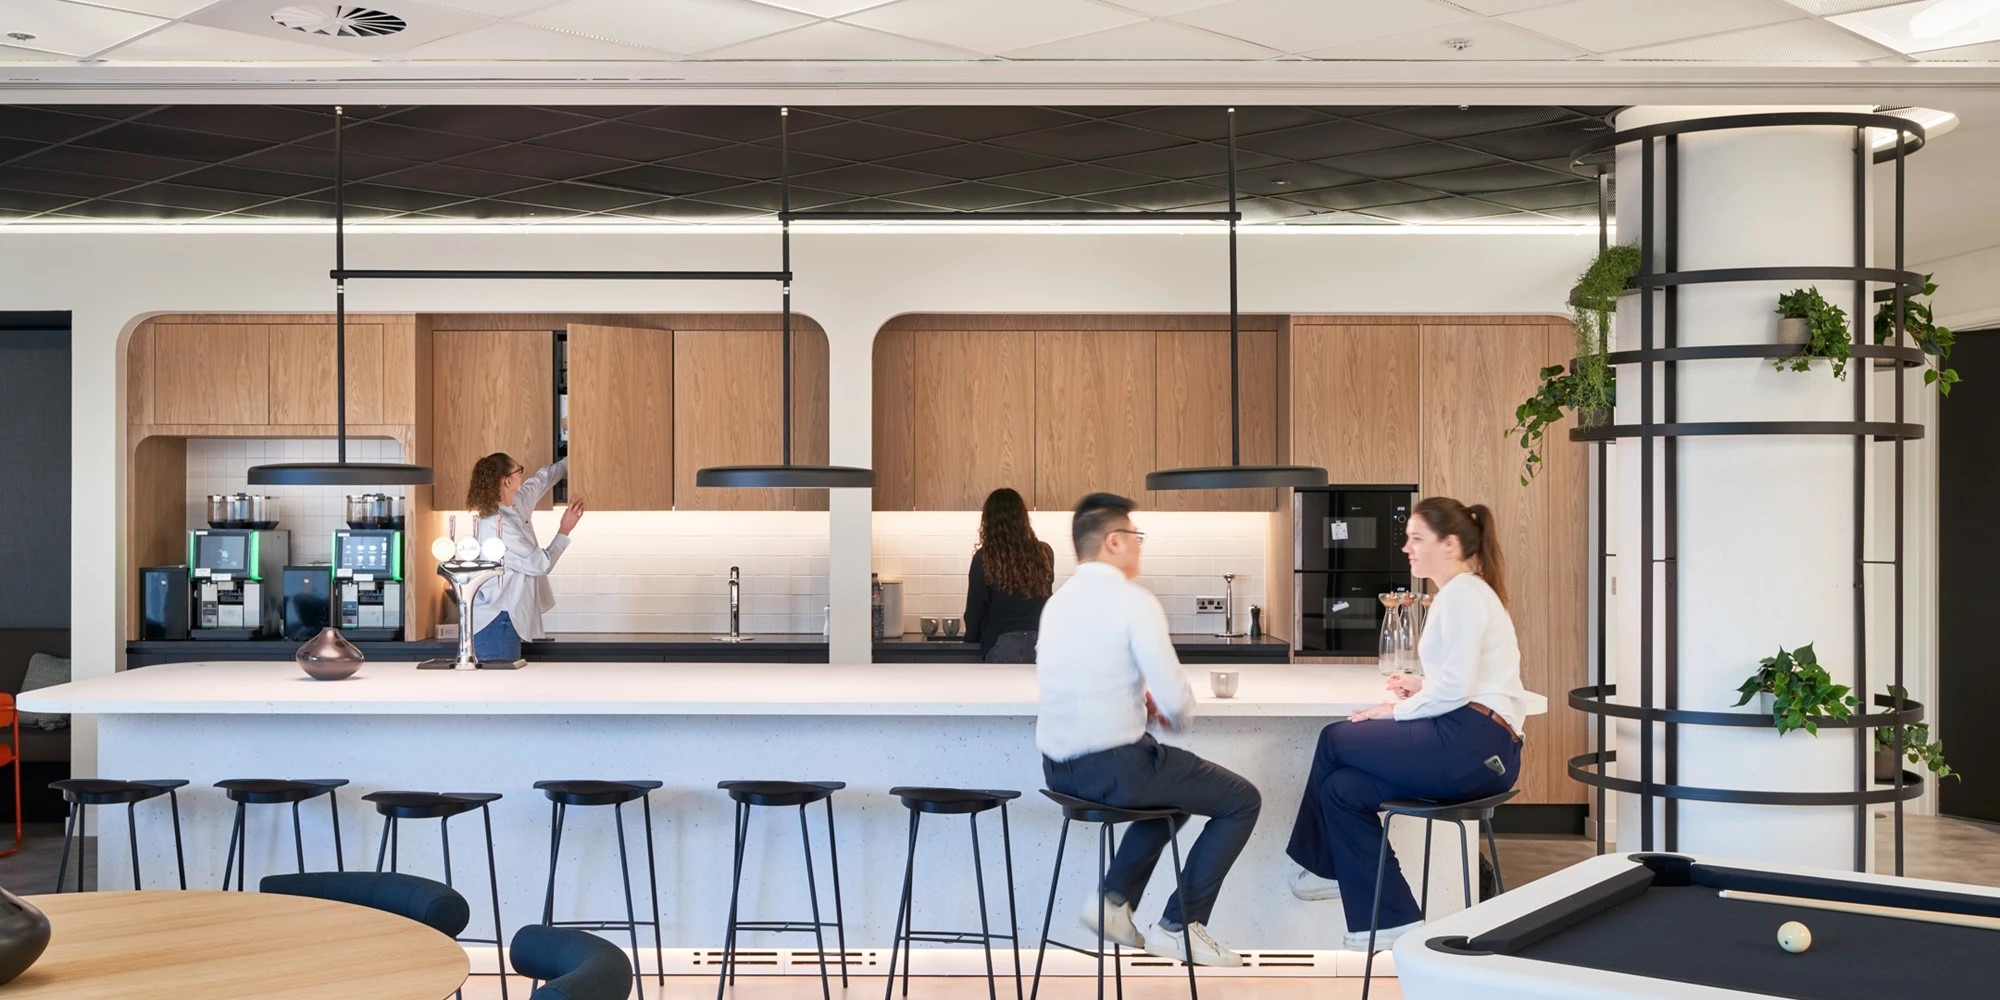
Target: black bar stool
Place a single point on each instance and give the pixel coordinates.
(749, 795)
(967, 802)
(442, 806)
(1470, 811)
(587, 793)
(246, 792)
(1077, 810)
(82, 793)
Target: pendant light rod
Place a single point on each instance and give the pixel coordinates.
(785, 245)
(339, 286)
(342, 275)
(837, 215)
(1235, 405)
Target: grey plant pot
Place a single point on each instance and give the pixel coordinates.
(1792, 330)
(1885, 765)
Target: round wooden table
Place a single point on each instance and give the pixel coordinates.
(229, 945)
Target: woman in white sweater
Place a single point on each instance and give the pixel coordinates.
(1452, 733)
(509, 609)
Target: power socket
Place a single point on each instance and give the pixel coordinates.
(1208, 605)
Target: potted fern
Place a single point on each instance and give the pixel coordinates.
(1796, 691)
(1587, 386)
(1934, 340)
(1806, 318)
(1918, 748)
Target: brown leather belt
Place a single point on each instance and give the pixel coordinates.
(1496, 717)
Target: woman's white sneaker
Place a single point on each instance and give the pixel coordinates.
(1384, 938)
(1311, 888)
(1173, 945)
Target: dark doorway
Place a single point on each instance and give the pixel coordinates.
(1968, 488)
(35, 490)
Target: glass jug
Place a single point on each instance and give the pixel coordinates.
(1397, 647)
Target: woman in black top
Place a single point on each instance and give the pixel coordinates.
(1011, 577)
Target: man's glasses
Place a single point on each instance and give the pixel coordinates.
(1140, 536)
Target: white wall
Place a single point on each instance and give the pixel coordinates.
(850, 283)
(310, 513)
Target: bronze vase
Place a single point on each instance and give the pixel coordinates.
(24, 933)
(328, 656)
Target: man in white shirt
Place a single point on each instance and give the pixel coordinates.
(1107, 668)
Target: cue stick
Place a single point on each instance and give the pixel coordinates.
(1868, 909)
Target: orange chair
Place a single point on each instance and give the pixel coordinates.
(11, 754)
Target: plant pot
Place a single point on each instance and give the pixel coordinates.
(1885, 765)
(1767, 703)
(1792, 330)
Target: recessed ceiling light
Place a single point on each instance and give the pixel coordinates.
(1459, 44)
(1281, 182)
(339, 20)
(1946, 16)
(21, 36)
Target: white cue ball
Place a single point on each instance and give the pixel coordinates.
(1794, 937)
(442, 549)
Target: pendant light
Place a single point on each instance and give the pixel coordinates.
(1235, 475)
(787, 475)
(340, 472)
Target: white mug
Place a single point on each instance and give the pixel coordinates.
(1223, 683)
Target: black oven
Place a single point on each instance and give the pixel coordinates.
(1348, 551)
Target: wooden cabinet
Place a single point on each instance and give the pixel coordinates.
(1093, 414)
(895, 420)
(974, 417)
(621, 417)
(1358, 398)
(212, 373)
(302, 367)
(1191, 396)
(494, 391)
(728, 411)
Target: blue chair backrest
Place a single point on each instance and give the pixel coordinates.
(432, 904)
(577, 965)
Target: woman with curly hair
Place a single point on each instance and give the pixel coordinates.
(1011, 577)
(509, 608)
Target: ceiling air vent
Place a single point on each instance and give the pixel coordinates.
(339, 20)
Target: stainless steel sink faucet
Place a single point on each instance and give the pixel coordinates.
(735, 603)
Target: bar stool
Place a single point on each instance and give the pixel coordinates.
(1470, 811)
(588, 793)
(441, 806)
(967, 802)
(749, 795)
(246, 792)
(1077, 810)
(82, 793)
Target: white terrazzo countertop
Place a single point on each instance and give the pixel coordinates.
(816, 689)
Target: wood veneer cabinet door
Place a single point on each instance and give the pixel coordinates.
(621, 417)
(1093, 414)
(726, 412)
(895, 414)
(494, 390)
(302, 366)
(1192, 404)
(974, 416)
(1357, 395)
(211, 374)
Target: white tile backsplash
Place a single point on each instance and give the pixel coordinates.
(310, 513)
(1186, 554)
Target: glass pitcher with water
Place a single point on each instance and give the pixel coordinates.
(1396, 651)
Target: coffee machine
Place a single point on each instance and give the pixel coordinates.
(368, 583)
(233, 576)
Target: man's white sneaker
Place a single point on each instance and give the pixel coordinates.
(1384, 938)
(1311, 888)
(1173, 945)
(1118, 926)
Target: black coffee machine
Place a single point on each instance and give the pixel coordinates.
(232, 575)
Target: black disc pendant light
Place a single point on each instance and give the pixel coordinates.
(340, 472)
(787, 475)
(1235, 475)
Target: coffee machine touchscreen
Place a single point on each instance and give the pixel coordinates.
(221, 553)
(363, 554)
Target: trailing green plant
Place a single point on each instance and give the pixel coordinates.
(1934, 340)
(1826, 330)
(1802, 692)
(1586, 386)
(1918, 747)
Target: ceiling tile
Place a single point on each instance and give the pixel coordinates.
(318, 162)
(201, 43)
(1807, 40)
(74, 29)
(1146, 40)
(1162, 8)
(19, 54)
(249, 121)
(1329, 138)
(672, 25)
(862, 141)
(739, 124)
(537, 161)
(33, 201)
(1290, 26)
(1285, 179)
(972, 162)
(267, 182)
(125, 211)
(153, 140)
(1074, 179)
(160, 8)
(182, 196)
(1986, 52)
(110, 163)
(1184, 162)
(754, 162)
(501, 122)
(64, 182)
(833, 41)
(870, 179)
(45, 124)
(1530, 143)
(1484, 180)
(825, 8)
(1607, 25)
(457, 180)
(1484, 41)
(1891, 27)
(1841, 6)
(581, 197)
(766, 197)
(685, 210)
(1212, 124)
(977, 123)
(385, 196)
(1092, 140)
(388, 139)
(1438, 210)
(421, 22)
(1162, 197)
(987, 27)
(627, 141)
(511, 40)
(1409, 161)
(1561, 195)
(494, 8)
(970, 196)
(663, 180)
(1452, 122)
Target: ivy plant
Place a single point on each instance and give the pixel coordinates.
(1934, 340)
(1587, 386)
(1826, 331)
(1802, 692)
(1918, 747)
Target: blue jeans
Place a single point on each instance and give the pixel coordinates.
(497, 640)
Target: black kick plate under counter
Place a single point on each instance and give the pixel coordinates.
(1195, 649)
(573, 647)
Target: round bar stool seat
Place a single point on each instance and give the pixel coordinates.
(780, 793)
(427, 805)
(1084, 811)
(952, 801)
(277, 791)
(106, 792)
(596, 793)
(1431, 811)
(82, 793)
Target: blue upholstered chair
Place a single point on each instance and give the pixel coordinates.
(576, 965)
(433, 904)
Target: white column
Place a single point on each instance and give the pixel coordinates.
(1766, 524)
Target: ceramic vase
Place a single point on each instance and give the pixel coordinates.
(328, 656)
(24, 933)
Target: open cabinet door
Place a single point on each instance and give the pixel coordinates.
(621, 417)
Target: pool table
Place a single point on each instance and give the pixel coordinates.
(1653, 925)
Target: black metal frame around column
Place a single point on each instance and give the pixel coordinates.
(1659, 517)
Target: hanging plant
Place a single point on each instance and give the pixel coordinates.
(1825, 333)
(1587, 386)
(1934, 340)
(1918, 748)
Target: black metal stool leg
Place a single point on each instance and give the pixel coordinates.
(132, 832)
(985, 931)
(180, 859)
(333, 813)
(735, 892)
(653, 880)
(493, 883)
(1117, 950)
(555, 845)
(812, 892)
(395, 846)
(1465, 862)
(910, 898)
(1486, 823)
(1042, 949)
(839, 916)
(382, 852)
(631, 915)
(902, 910)
(242, 844)
(69, 835)
(1013, 916)
(235, 835)
(1103, 871)
(1375, 913)
(1424, 900)
(444, 838)
(298, 839)
(1187, 926)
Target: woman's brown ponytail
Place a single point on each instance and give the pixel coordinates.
(1478, 537)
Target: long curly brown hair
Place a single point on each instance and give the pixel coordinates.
(1013, 559)
(482, 495)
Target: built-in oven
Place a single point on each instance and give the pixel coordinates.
(1348, 552)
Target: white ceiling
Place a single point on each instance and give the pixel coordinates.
(1745, 32)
